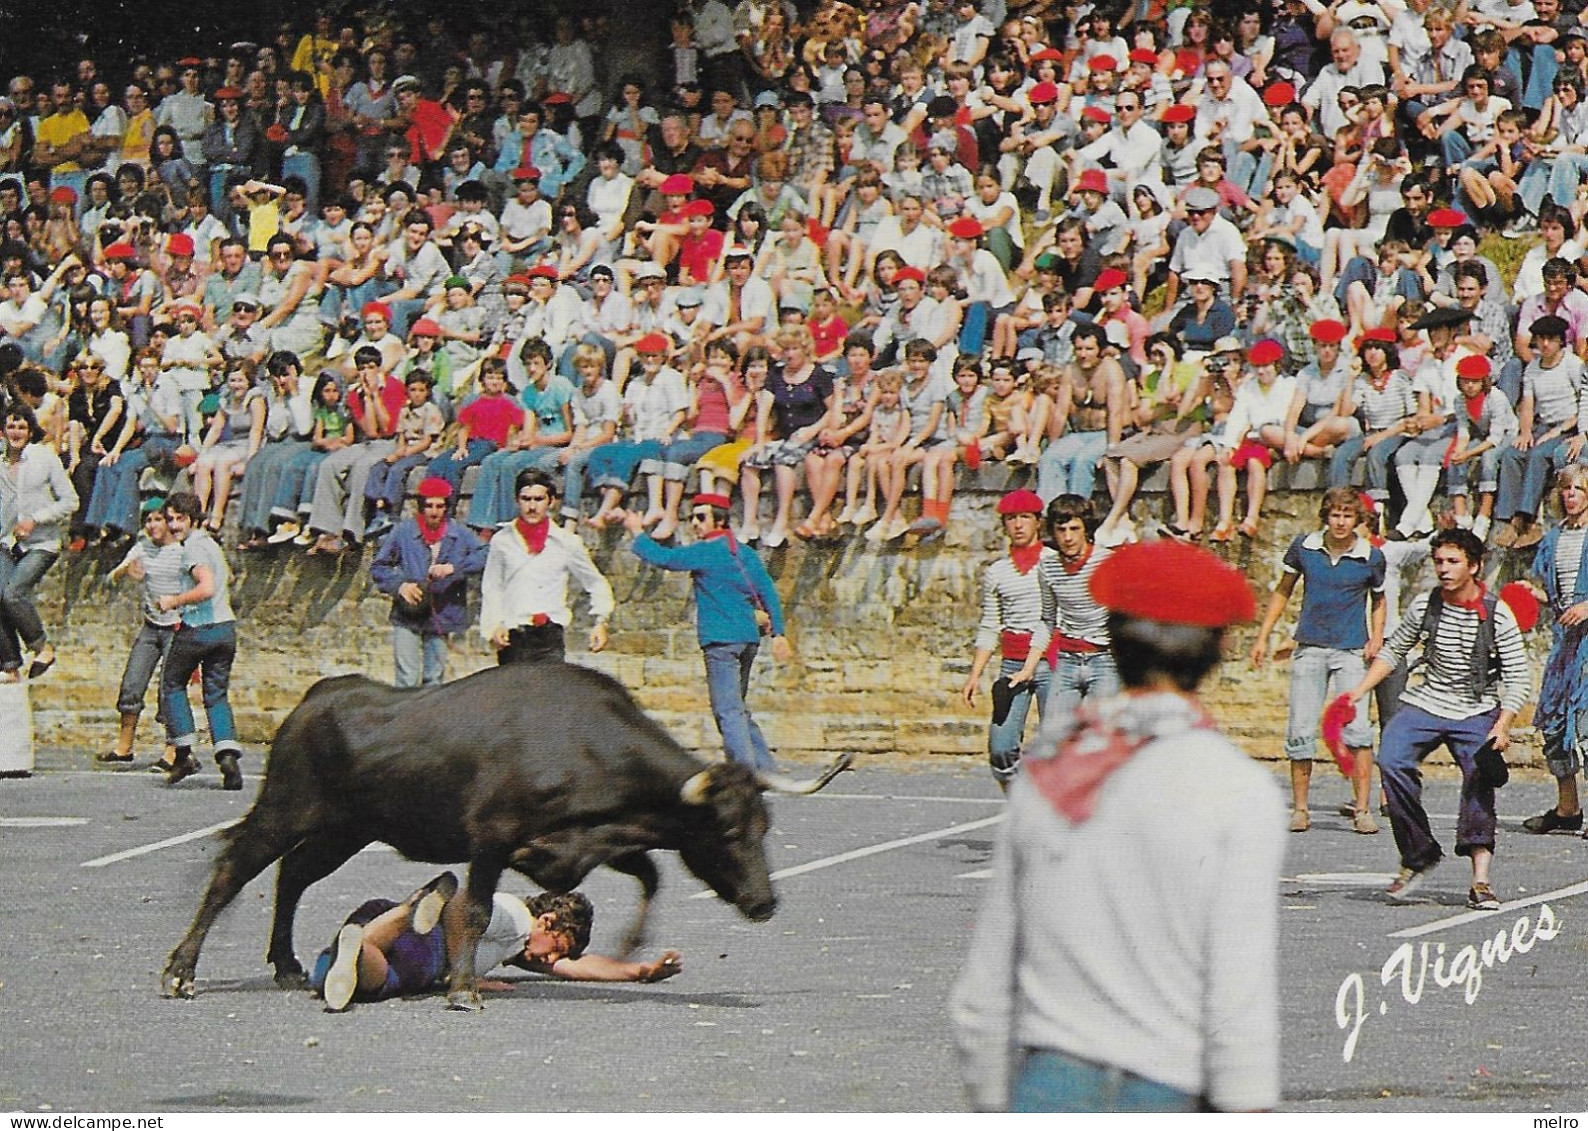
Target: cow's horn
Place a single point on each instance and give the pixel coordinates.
(781, 783)
(693, 791)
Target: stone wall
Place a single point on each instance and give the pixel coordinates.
(883, 639)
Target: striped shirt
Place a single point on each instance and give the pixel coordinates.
(1568, 555)
(1067, 605)
(1554, 391)
(1444, 691)
(1380, 408)
(1012, 601)
(162, 577)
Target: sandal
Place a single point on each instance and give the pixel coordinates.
(1248, 530)
(111, 758)
(43, 661)
(1221, 533)
(805, 532)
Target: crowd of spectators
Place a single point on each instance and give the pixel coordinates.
(836, 245)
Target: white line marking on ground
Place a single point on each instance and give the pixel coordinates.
(40, 822)
(982, 874)
(872, 850)
(827, 796)
(169, 842)
(1473, 916)
(1341, 879)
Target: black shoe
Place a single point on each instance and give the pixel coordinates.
(429, 901)
(184, 767)
(1551, 821)
(231, 775)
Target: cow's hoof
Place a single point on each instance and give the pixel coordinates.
(176, 985)
(292, 978)
(465, 1001)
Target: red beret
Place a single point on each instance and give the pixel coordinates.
(1142, 55)
(188, 308)
(120, 251)
(434, 487)
(63, 194)
(379, 308)
(1379, 334)
(704, 500)
(228, 94)
(1096, 114)
(699, 208)
(519, 280)
(276, 132)
(190, 61)
(1048, 55)
(654, 343)
(966, 228)
(1473, 366)
(526, 173)
(1369, 504)
(1102, 62)
(556, 98)
(1043, 93)
(1446, 218)
(1024, 501)
(543, 271)
(1179, 112)
(1265, 352)
(1092, 180)
(1108, 280)
(909, 274)
(1328, 330)
(1280, 94)
(428, 327)
(679, 184)
(1174, 583)
(180, 244)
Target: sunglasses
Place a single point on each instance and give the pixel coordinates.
(244, 307)
(699, 516)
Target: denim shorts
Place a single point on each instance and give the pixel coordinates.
(1318, 676)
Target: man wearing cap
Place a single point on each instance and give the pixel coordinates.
(1468, 639)
(424, 566)
(1011, 623)
(1209, 247)
(233, 146)
(1085, 987)
(1037, 142)
(736, 604)
(1549, 434)
(235, 274)
(524, 608)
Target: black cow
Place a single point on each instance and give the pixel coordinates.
(551, 770)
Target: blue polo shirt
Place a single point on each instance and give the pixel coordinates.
(1334, 597)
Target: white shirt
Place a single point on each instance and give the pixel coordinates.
(518, 585)
(1133, 151)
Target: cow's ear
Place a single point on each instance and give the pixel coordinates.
(695, 791)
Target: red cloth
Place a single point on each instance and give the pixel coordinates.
(431, 535)
(1332, 726)
(492, 418)
(714, 404)
(1253, 450)
(1025, 557)
(427, 135)
(533, 533)
(1014, 645)
(1475, 605)
(723, 532)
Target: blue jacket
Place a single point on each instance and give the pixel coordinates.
(724, 611)
(404, 557)
(1563, 690)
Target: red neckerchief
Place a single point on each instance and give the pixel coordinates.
(1069, 762)
(533, 533)
(1025, 557)
(1475, 405)
(1076, 568)
(1475, 605)
(431, 535)
(723, 532)
(1380, 385)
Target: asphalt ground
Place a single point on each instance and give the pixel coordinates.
(836, 1004)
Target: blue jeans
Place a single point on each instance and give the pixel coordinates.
(1069, 465)
(209, 648)
(492, 501)
(450, 466)
(149, 648)
(307, 166)
(417, 657)
(264, 476)
(612, 465)
(1458, 476)
(388, 482)
(296, 488)
(1523, 476)
(114, 500)
(1540, 77)
(19, 617)
(1411, 736)
(727, 680)
(573, 476)
(1080, 676)
(1317, 675)
(1379, 457)
(1004, 739)
(1565, 174)
(679, 456)
(1049, 1080)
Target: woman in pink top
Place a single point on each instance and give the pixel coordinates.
(715, 388)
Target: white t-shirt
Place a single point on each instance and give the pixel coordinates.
(504, 935)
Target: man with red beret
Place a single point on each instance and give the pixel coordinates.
(424, 565)
(736, 604)
(1126, 954)
(1312, 427)
(1011, 623)
(1036, 143)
